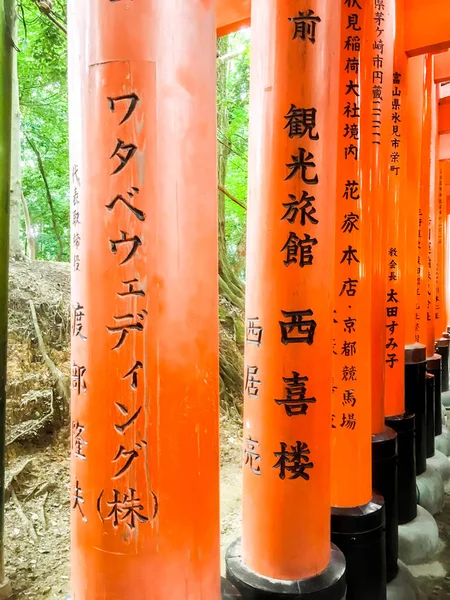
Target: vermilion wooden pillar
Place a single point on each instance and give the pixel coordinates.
(376, 131)
(351, 527)
(144, 489)
(415, 354)
(396, 257)
(424, 207)
(288, 357)
(434, 361)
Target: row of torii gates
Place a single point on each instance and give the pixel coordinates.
(349, 171)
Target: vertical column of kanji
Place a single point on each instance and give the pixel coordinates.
(396, 257)
(351, 407)
(396, 252)
(439, 312)
(145, 366)
(376, 118)
(287, 409)
(378, 51)
(351, 480)
(77, 18)
(440, 323)
(415, 353)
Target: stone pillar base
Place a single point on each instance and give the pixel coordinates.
(404, 586)
(430, 491)
(443, 441)
(328, 585)
(418, 540)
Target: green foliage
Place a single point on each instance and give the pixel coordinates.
(42, 68)
(237, 100)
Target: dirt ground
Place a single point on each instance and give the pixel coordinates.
(37, 478)
(37, 514)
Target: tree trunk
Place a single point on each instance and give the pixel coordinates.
(49, 197)
(15, 245)
(31, 251)
(230, 286)
(6, 47)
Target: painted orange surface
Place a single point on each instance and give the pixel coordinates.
(431, 238)
(414, 133)
(398, 208)
(376, 131)
(444, 153)
(145, 464)
(442, 67)
(444, 115)
(351, 483)
(287, 433)
(427, 26)
(424, 210)
(440, 308)
(232, 15)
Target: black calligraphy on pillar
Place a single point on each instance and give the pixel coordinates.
(78, 500)
(303, 209)
(77, 322)
(252, 383)
(300, 165)
(139, 214)
(77, 378)
(299, 250)
(305, 26)
(125, 508)
(295, 401)
(78, 440)
(254, 331)
(294, 462)
(299, 329)
(251, 456)
(301, 121)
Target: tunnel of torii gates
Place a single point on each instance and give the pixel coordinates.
(347, 301)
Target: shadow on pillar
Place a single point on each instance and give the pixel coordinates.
(360, 533)
(434, 367)
(442, 348)
(404, 427)
(384, 481)
(416, 399)
(228, 591)
(328, 585)
(430, 414)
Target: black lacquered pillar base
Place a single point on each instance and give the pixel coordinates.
(228, 591)
(430, 414)
(360, 533)
(442, 348)
(416, 399)
(434, 367)
(328, 585)
(404, 427)
(384, 481)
